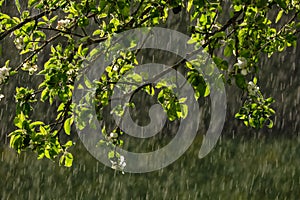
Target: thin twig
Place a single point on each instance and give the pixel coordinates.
(61, 31)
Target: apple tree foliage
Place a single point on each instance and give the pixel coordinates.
(70, 28)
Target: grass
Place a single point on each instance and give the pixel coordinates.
(237, 168)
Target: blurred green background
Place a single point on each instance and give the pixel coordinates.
(256, 167)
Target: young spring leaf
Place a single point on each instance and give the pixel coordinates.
(67, 125)
(68, 160)
(279, 16)
(18, 5)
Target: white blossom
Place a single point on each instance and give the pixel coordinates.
(19, 42)
(113, 135)
(120, 164)
(242, 62)
(26, 66)
(1, 96)
(33, 69)
(4, 73)
(2, 78)
(71, 71)
(244, 72)
(30, 68)
(122, 161)
(62, 23)
(242, 65)
(252, 88)
(115, 68)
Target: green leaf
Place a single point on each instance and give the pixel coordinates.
(18, 123)
(31, 2)
(219, 35)
(18, 5)
(189, 6)
(22, 117)
(45, 95)
(4, 16)
(270, 100)
(279, 15)
(223, 65)
(47, 153)
(61, 160)
(41, 155)
(192, 41)
(237, 8)
(53, 19)
(102, 15)
(79, 51)
(93, 53)
(161, 97)
(43, 130)
(207, 91)
(136, 77)
(68, 159)
(15, 141)
(271, 111)
(150, 90)
(61, 107)
(281, 3)
(189, 65)
(255, 80)
(240, 81)
(111, 154)
(97, 32)
(87, 82)
(36, 123)
(68, 144)
(184, 110)
(67, 125)
(1, 2)
(251, 122)
(82, 22)
(228, 51)
(240, 116)
(125, 68)
(271, 124)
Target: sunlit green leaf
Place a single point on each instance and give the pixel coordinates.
(270, 125)
(68, 159)
(18, 5)
(189, 6)
(67, 125)
(279, 15)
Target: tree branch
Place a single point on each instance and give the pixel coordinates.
(228, 23)
(61, 31)
(33, 18)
